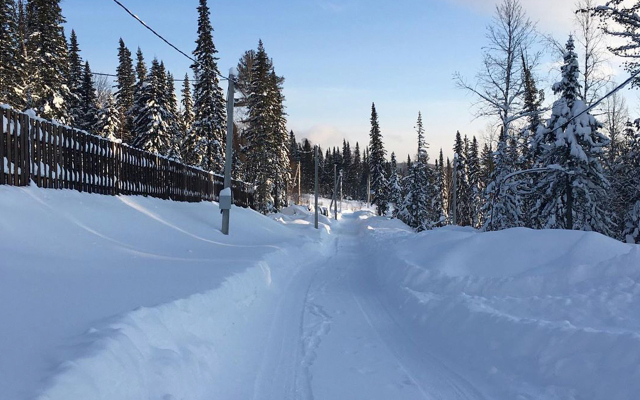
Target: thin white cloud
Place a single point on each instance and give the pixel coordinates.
(552, 16)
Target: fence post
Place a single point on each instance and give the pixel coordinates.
(2, 147)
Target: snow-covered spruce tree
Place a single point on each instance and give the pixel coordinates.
(394, 189)
(126, 86)
(625, 184)
(574, 195)
(533, 99)
(75, 81)
(307, 166)
(88, 107)
(186, 112)
(364, 178)
(356, 173)
(416, 210)
(258, 160)
(11, 64)
(440, 206)
(109, 120)
(376, 165)
(279, 141)
(47, 59)
(141, 69)
(173, 118)
(501, 208)
(473, 173)
(150, 114)
(463, 192)
(204, 144)
(346, 168)
(139, 103)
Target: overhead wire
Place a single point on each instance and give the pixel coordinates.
(163, 39)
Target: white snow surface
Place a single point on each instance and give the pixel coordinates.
(136, 298)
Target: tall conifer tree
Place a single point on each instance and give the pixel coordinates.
(376, 164)
(126, 86)
(204, 143)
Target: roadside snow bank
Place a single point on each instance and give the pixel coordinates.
(131, 297)
(528, 314)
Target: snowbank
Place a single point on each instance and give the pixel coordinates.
(131, 297)
(527, 314)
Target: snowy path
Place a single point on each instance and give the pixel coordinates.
(137, 298)
(332, 337)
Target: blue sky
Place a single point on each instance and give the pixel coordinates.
(337, 56)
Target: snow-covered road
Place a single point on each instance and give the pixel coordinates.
(334, 337)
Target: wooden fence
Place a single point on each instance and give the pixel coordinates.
(59, 157)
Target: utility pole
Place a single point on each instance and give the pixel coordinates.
(316, 186)
(369, 189)
(340, 190)
(455, 189)
(224, 199)
(299, 190)
(335, 191)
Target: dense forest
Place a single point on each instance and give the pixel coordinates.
(565, 156)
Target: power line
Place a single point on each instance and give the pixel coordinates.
(162, 38)
(115, 76)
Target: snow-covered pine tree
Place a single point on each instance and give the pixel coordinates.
(440, 206)
(416, 210)
(204, 145)
(631, 231)
(307, 166)
(356, 173)
(448, 190)
(109, 120)
(173, 118)
(475, 195)
(625, 184)
(11, 84)
(376, 165)
(462, 184)
(141, 69)
(88, 106)
(364, 179)
(186, 112)
(574, 195)
(258, 160)
(126, 86)
(347, 177)
(394, 189)
(139, 100)
(294, 149)
(75, 82)
(47, 59)
(150, 114)
(278, 143)
(532, 107)
(502, 206)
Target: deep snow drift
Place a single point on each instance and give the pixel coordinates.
(522, 314)
(131, 298)
(112, 297)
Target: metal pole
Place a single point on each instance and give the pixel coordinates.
(455, 189)
(316, 188)
(228, 152)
